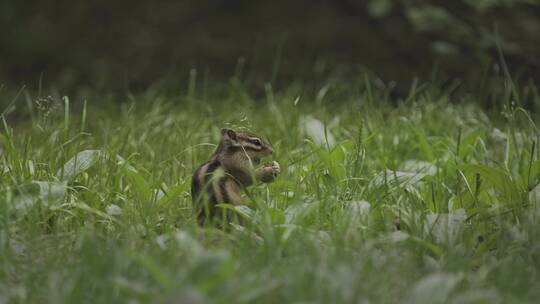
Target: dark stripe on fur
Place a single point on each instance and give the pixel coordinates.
(214, 164)
(208, 180)
(223, 190)
(208, 174)
(195, 184)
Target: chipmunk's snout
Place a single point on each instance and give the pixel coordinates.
(269, 147)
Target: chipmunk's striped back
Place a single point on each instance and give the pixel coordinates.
(210, 186)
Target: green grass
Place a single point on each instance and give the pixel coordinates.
(95, 204)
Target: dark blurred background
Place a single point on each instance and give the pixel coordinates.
(119, 45)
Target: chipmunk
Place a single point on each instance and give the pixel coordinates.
(232, 167)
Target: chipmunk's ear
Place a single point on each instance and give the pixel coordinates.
(230, 135)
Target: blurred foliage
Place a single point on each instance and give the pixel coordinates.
(129, 45)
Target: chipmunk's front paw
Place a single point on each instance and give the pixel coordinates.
(271, 171)
(276, 169)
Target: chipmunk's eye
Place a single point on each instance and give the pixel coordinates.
(256, 142)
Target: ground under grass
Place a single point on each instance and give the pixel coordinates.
(428, 201)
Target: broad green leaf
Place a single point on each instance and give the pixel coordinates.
(425, 146)
(248, 232)
(295, 210)
(315, 129)
(396, 179)
(48, 193)
(277, 215)
(358, 210)
(445, 227)
(78, 164)
(432, 248)
(96, 212)
(534, 195)
(242, 210)
(467, 143)
(533, 177)
(245, 211)
(113, 210)
(140, 185)
(171, 194)
(413, 165)
(334, 161)
(498, 179)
